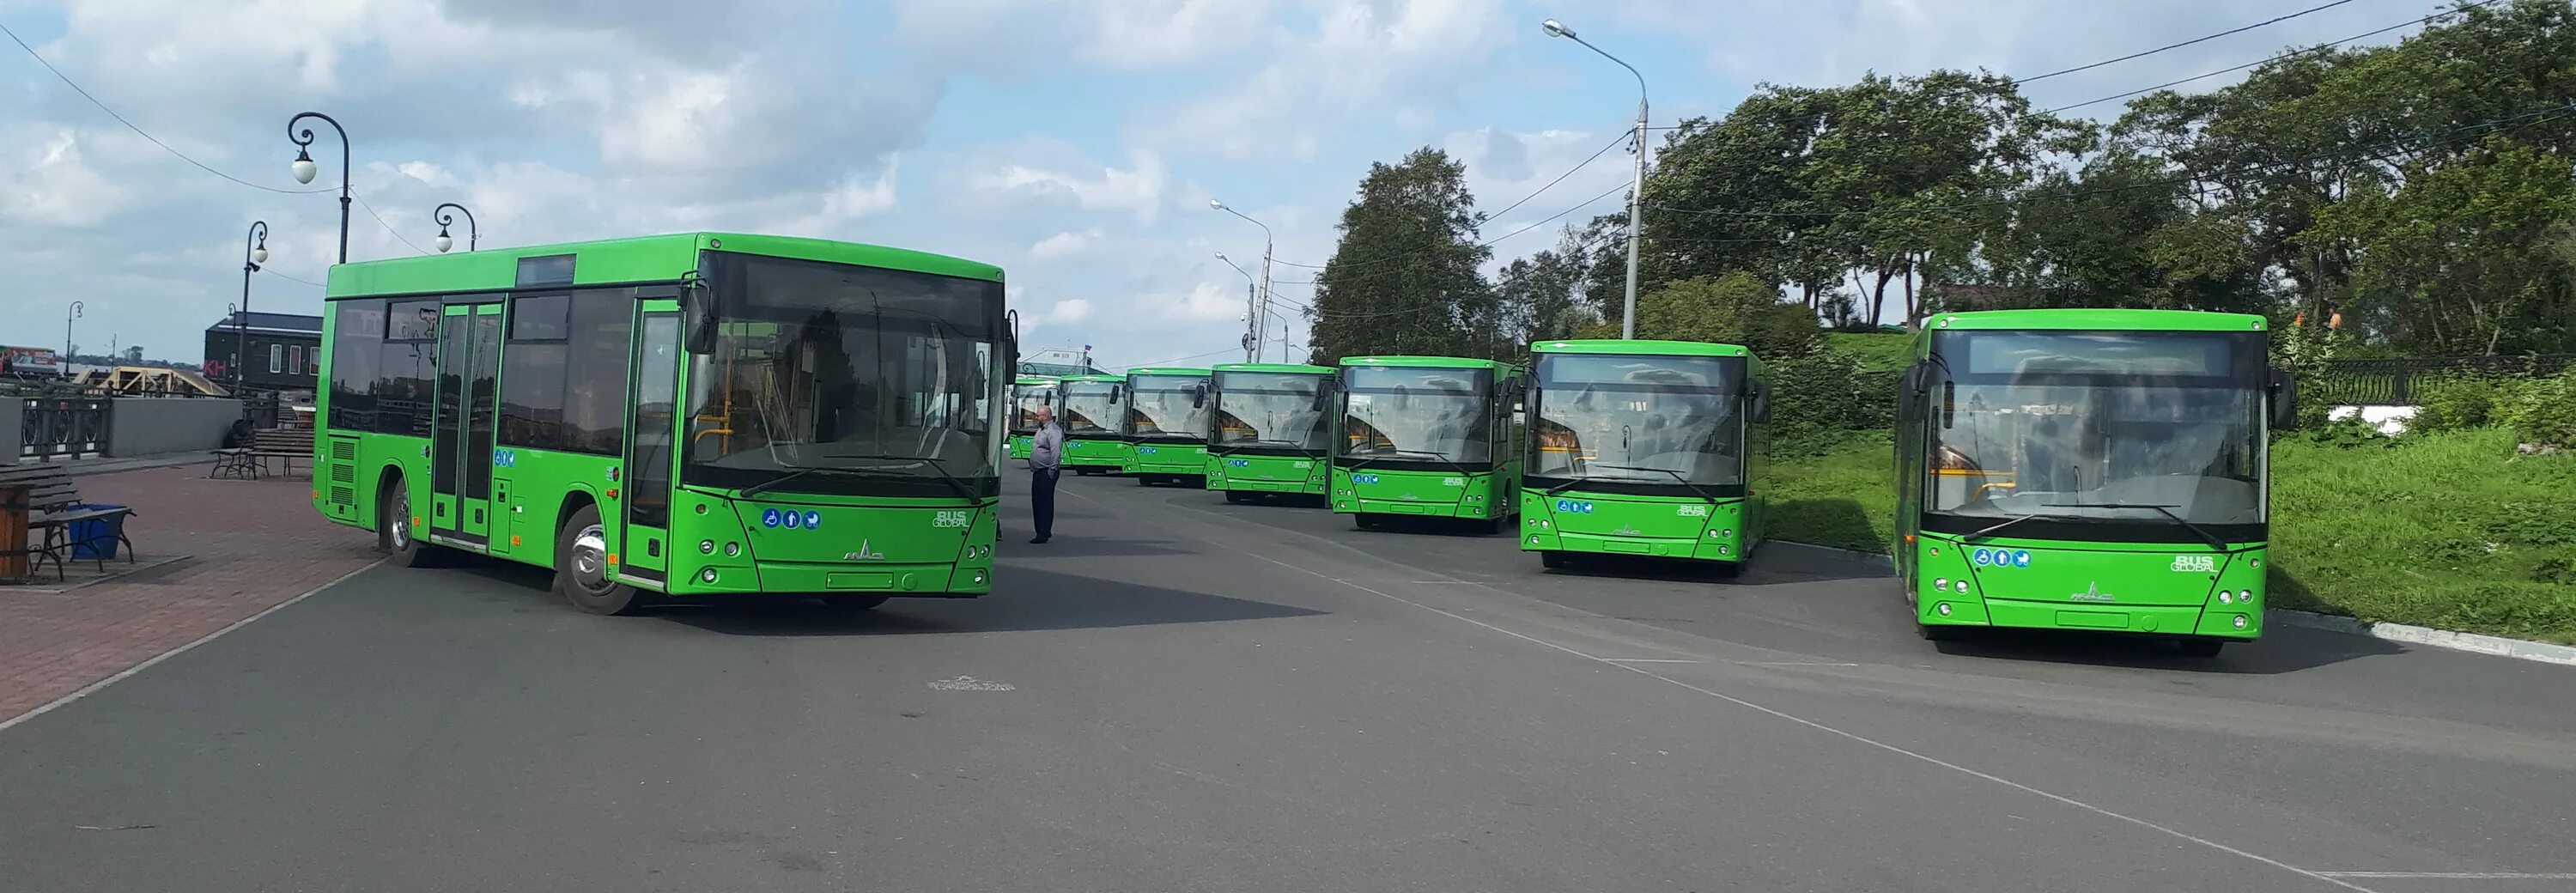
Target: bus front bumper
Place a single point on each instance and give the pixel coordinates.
(933, 579)
(1536, 539)
(2174, 620)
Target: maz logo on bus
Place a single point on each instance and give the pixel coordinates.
(1574, 506)
(791, 519)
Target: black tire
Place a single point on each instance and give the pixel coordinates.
(1933, 633)
(1085, 471)
(852, 603)
(1237, 497)
(395, 534)
(2200, 647)
(581, 568)
(1492, 526)
(1555, 560)
(1364, 521)
(1728, 570)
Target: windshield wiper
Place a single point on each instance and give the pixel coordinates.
(1679, 477)
(1301, 449)
(1990, 531)
(953, 482)
(1437, 456)
(772, 483)
(2166, 510)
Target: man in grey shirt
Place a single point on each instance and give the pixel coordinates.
(1046, 461)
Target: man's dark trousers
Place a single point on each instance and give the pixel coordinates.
(1042, 499)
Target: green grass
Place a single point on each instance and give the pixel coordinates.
(2452, 530)
(1877, 351)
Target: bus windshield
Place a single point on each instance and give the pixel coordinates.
(2099, 426)
(1088, 405)
(1271, 409)
(858, 381)
(1421, 414)
(1026, 400)
(1643, 419)
(1168, 407)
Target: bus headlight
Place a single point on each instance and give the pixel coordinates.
(2226, 597)
(1961, 585)
(706, 547)
(733, 549)
(2245, 596)
(2240, 621)
(1940, 584)
(707, 576)
(1942, 609)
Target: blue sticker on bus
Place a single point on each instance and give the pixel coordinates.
(1984, 557)
(791, 520)
(813, 520)
(2021, 558)
(768, 517)
(1574, 507)
(1364, 479)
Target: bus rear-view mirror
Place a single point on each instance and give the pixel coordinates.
(2285, 399)
(697, 317)
(1198, 396)
(1910, 392)
(1761, 404)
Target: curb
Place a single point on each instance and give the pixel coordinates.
(2474, 643)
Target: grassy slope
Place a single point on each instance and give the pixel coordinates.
(1877, 351)
(2444, 530)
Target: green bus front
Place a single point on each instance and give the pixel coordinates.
(1427, 437)
(1273, 425)
(1167, 425)
(1644, 448)
(2099, 470)
(674, 416)
(1094, 411)
(1029, 394)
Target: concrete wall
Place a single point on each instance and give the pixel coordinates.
(144, 426)
(12, 423)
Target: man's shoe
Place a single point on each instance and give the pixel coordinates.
(1038, 540)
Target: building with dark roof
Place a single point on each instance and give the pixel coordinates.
(284, 351)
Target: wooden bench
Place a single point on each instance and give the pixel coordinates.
(53, 506)
(287, 445)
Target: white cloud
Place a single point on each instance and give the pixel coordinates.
(1068, 310)
(1138, 189)
(1065, 244)
(1362, 54)
(51, 183)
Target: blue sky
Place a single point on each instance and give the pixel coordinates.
(1075, 143)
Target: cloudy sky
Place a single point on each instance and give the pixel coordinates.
(1074, 142)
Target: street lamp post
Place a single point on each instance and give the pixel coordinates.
(1251, 301)
(472, 238)
(304, 168)
(68, 315)
(1636, 189)
(1261, 305)
(254, 253)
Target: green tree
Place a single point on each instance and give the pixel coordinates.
(1405, 277)
(1734, 309)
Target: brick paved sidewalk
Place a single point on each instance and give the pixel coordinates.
(255, 544)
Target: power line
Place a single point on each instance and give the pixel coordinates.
(2175, 46)
(129, 125)
(2424, 20)
(1551, 184)
(290, 278)
(380, 221)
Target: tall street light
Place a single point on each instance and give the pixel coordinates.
(304, 168)
(68, 315)
(1261, 306)
(1251, 299)
(1636, 189)
(254, 253)
(472, 238)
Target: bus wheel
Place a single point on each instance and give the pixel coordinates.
(2200, 647)
(1555, 560)
(1364, 522)
(1932, 633)
(852, 603)
(581, 568)
(394, 532)
(1234, 496)
(1492, 526)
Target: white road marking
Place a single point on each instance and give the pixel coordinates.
(2456, 875)
(92, 688)
(970, 683)
(1647, 660)
(1793, 663)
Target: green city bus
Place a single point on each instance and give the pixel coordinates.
(701, 414)
(1427, 437)
(1167, 425)
(1029, 393)
(2097, 470)
(1273, 425)
(1646, 448)
(1092, 411)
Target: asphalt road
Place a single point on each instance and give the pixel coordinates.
(1182, 695)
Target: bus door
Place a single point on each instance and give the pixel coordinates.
(651, 431)
(461, 454)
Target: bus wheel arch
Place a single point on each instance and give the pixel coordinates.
(581, 566)
(397, 533)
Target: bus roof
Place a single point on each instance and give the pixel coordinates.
(1639, 346)
(1109, 378)
(1289, 368)
(1428, 362)
(609, 261)
(2087, 318)
(1034, 379)
(1167, 370)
